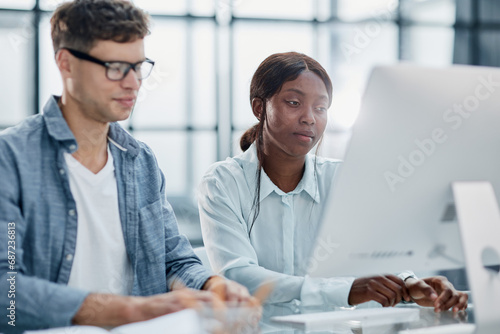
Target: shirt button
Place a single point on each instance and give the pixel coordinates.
(72, 147)
(61, 171)
(69, 257)
(71, 212)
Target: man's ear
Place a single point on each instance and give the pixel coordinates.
(63, 62)
(257, 107)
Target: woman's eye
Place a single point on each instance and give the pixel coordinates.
(293, 103)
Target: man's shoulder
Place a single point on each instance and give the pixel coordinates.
(125, 140)
(146, 155)
(25, 133)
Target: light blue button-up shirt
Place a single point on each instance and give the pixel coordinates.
(35, 197)
(282, 236)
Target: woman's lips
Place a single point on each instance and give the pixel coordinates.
(304, 136)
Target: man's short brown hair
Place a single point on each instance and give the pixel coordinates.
(81, 23)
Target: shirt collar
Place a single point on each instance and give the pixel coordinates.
(308, 183)
(57, 126)
(60, 131)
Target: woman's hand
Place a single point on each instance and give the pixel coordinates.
(388, 290)
(436, 292)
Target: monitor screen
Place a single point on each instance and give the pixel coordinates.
(391, 207)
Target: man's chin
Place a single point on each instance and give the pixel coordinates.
(122, 114)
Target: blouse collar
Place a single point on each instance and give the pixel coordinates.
(308, 183)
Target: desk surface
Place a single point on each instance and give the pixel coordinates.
(246, 323)
(428, 318)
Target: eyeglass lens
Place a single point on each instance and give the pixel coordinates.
(118, 70)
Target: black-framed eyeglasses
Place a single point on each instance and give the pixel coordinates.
(117, 70)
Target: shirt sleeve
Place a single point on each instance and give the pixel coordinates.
(407, 274)
(231, 253)
(34, 302)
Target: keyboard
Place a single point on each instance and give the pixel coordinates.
(347, 318)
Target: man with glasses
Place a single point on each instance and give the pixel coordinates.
(87, 236)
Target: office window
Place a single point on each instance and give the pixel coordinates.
(276, 9)
(162, 99)
(17, 4)
(236, 136)
(465, 11)
(17, 84)
(202, 91)
(182, 156)
(170, 150)
(163, 7)
(428, 45)
(203, 151)
(489, 39)
(436, 11)
(355, 49)
(50, 78)
(194, 107)
(50, 4)
(324, 10)
(488, 11)
(357, 10)
(202, 7)
(253, 42)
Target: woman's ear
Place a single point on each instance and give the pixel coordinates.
(257, 107)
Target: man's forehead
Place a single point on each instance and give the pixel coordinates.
(128, 51)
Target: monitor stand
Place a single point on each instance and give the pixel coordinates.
(479, 223)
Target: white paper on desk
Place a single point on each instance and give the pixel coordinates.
(183, 322)
(341, 319)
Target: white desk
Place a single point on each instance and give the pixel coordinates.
(190, 322)
(428, 318)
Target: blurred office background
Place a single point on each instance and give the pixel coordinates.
(194, 107)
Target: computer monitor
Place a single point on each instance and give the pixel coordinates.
(391, 207)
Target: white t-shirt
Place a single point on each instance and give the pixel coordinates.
(100, 263)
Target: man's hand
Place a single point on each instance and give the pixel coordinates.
(115, 310)
(436, 292)
(174, 301)
(388, 290)
(230, 291)
(240, 312)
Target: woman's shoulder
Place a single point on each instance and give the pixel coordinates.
(230, 177)
(324, 162)
(224, 168)
(325, 169)
(236, 166)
